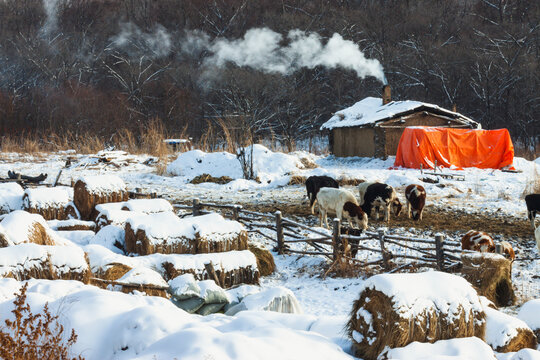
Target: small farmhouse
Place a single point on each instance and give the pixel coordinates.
(372, 127)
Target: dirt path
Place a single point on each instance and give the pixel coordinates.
(433, 220)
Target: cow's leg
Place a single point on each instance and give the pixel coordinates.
(387, 212)
(409, 209)
(312, 203)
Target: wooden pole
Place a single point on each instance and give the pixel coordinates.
(385, 256)
(196, 207)
(279, 233)
(236, 209)
(336, 241)
(212, 273)
(439, 247)
(57, 178)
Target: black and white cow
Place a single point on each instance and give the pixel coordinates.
(378, 195)
(533, 206)
(314, 184)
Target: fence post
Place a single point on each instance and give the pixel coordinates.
(385, 257)
(336, 239)
(153, 195)
(196, 207)
(439, 248)
(499, 249)
(235, 212)
(279, 232)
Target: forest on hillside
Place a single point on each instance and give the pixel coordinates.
(105, 66)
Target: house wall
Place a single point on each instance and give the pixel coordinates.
(353, 142)
(383, 140)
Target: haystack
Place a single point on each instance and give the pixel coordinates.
(265, 260)
(147, 206)
(49, 202)
(166, 233)
(71, 211)
(109, 214)
(297, 180)
(530, 314)
(143, 280)
(505, 333)
(27, 261)
(71, 224)
(396, 309)
(23, 227)
(232, 268)
(10, 197)
(346, 180)
(90, 191)
(491, 275)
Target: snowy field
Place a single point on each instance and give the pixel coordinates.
(112, 325)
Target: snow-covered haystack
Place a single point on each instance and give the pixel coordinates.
(22, 227)
(49, 202)
(530, 314)
(278, 299)
(144, 280)
(71, 211)
(396, 309)
(11, 195)
(166, 233)
(232, 267)
(458, 349)
(90, 191)
(112, 214)
(71, 224)
(491, 275)
(265, 260)
(147, 206)
(505, 333)
(26, 261)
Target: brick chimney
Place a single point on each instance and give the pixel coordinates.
(386, 94)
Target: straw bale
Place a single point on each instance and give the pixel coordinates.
(491, 275)
(116, 271)
(71, 212)
(297, 180)
(265, 260)
(207, 178)
(147, 206)
(48, 202)
(165, 233)
(344, 180)
(86, 197)
(112, 217)
(505, 333)
(23, 227)
(30, 261)
(377, 322)
(71, 225)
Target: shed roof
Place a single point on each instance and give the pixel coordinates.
(370, 111)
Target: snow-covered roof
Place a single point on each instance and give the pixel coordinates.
(371, 110)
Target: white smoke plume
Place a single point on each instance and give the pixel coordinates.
(154, 44)
(264, 50)
(51, 19)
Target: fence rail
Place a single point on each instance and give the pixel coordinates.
(434, 252)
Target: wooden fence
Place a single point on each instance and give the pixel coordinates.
(436, 252)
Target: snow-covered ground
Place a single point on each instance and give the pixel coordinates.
(113, 325)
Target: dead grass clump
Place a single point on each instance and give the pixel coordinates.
(308, 163)
(491, 275)
(207, 178)
(297, 180)
(265, 260)
(34, 336)
(375, 325)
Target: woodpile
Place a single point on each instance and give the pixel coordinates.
(31, 261)
(90, 191)
(491, 275)
(397, 309)
(49, 202)
(166, 233)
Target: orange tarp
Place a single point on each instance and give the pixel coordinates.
(456, 148)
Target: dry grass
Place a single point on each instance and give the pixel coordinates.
(207, 178)
(297, 180)
(491, 275)
(524, 339)
(389, 328)
(265, 260)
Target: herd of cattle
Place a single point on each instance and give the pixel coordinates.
(376, 197)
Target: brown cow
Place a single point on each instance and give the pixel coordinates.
(416, 200)
(477, 241)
